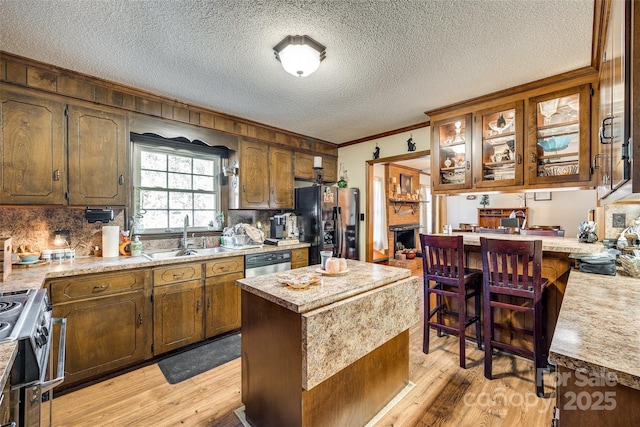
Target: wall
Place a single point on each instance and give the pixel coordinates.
(354, 158)
(566, 208)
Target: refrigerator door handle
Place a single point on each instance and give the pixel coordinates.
(339, 232)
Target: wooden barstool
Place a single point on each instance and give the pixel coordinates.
(444, 275)
(512, 280)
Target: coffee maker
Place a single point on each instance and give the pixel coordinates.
(291, 225)
(278, 226)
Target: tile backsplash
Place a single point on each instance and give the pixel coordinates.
(35, 227)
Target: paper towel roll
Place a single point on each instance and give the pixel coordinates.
(110, 241)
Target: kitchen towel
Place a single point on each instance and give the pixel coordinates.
(110, 241)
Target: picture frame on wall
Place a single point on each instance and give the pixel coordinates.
(405, 183)
(542, 196)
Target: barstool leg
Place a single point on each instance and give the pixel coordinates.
(539, 348)
(488, 320)
(462, 322)
(477, 298)
(427, 310)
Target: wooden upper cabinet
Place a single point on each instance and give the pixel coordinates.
(451, 153)
(330, 169)
(97, 157)
(280, 178)
(32, 149)
(559, 140)
(254, 173)
(612, 162)
(498, 146)
(266, 176)
(303, 166)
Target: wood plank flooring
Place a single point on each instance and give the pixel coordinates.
(444, 394)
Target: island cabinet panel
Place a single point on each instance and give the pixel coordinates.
(333, 359)
(109, 322)
(589, 400)
(32, 152)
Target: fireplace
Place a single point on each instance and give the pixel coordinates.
(404, 236)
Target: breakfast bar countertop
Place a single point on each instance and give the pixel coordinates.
(549, 244)
(597, 330)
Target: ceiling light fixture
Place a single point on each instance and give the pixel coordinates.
(299, 55)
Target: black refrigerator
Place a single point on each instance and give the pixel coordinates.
(328, 220)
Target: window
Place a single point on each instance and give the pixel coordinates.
(171, 181)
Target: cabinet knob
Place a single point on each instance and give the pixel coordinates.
(101, 287)
(140, 319)
(56, 175)
(121, 180)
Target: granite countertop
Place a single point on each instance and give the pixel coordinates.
(34, 276)
(29, 277)
(598, 326)
(549, 244)
(362, 277)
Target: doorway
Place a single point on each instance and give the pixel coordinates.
(420, 161)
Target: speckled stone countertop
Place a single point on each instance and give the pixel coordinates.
(28, 277)
(34, 276)
(598, 327)
(549, 244)
(362, 276)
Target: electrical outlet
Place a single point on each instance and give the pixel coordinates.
(619, 220)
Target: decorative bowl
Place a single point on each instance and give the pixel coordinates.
(29, 256)
(556, 143)
(499, 129)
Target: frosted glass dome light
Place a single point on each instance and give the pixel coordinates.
(299, 55)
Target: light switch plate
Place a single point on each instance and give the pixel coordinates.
(619, 220)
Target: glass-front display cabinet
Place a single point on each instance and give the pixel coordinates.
(498, 146)
(559, 137)
(452, 158)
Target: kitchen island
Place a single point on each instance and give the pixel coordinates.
(332, 354)
(596, 349)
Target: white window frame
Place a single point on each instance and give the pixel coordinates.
(166, 147)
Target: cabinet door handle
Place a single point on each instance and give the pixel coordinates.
(519, 159)
(56, 175)
(468, 165)
(101, 287)
(244, 188)
(178, 275)
(197, 306)
(606, 122)
(121, 180)
(533, 158)
(208, 303)
(140, 319)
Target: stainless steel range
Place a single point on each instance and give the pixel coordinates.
(25, 316)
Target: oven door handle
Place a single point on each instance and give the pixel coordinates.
(48, 385)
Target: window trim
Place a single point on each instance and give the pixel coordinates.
(175, 146)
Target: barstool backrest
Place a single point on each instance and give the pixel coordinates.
(515, 266)
(442, 258)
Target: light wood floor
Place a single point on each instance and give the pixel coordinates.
(444, 394)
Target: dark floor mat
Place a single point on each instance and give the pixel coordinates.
(190, 363)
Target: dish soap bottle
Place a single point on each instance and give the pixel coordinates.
(136, 247)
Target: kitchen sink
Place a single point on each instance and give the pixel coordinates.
(179, 253)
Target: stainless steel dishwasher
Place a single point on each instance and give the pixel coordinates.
(266, 263)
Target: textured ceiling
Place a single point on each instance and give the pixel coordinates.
(386, 63)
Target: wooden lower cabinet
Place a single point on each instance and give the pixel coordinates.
(222, 295)
(299, 258)
(594, 400)
(108, 322)
(178, 315)
(222, 304)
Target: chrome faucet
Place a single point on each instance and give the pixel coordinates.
(185, 241)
